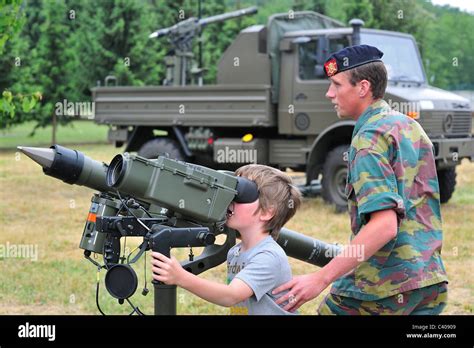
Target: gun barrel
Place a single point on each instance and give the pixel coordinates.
(160, 33)
(194, 23)
(305, 248)
(229, 15)
(70, 166)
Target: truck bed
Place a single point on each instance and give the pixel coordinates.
(211, 105)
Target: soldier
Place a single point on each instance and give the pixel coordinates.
(393, 199)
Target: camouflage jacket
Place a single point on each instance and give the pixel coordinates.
(391, 166)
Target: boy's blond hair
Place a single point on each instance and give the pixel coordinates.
(276, 192)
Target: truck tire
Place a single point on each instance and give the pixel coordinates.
(161, 146)
(335, 177)
(447, 183)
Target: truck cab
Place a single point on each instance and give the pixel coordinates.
(446, 117)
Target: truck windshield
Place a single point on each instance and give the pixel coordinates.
(400, 56)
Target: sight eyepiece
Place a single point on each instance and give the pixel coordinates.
(247, 191)
(116, 171)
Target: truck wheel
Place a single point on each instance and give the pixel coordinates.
(447, 183)
(335, 177)
(161, 146)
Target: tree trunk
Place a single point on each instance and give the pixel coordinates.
(54, 129)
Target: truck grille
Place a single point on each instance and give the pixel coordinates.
(451, 123)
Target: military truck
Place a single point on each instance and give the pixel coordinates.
(269, 106)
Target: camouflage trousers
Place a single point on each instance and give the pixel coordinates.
(429, 300)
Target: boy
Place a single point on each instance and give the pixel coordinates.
(258, 264)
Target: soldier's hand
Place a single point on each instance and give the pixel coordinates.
(301, 289)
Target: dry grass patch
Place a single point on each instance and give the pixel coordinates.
(39, 210)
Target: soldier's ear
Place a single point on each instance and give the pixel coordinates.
(364, 88)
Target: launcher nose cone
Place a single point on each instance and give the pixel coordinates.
(41, 155)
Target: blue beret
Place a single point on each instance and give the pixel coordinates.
(351, 57)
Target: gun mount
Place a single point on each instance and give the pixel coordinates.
(181, 36)
(169, 204)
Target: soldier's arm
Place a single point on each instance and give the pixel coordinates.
(381, 229)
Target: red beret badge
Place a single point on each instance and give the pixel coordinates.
(331, 67)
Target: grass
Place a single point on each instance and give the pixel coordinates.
(39, 210)
(73, 133)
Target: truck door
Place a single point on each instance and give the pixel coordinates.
(313, 112)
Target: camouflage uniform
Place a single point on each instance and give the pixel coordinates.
(430, 300)
(391, 166)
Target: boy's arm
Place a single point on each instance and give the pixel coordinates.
(169, 271)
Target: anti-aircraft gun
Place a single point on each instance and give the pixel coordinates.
(169, 204)
(181, 36)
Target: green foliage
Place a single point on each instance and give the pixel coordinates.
(9, 104)
(11, 20)
(449, 49)
(63, 48)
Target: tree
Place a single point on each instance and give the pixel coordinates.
(58, 49)
(11, 22)
(52, 65)
(449, 48)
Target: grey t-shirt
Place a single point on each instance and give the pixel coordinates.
(263, 268)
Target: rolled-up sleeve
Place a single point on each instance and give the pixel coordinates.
(375, 185)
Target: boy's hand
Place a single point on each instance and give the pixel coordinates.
(167, 270)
